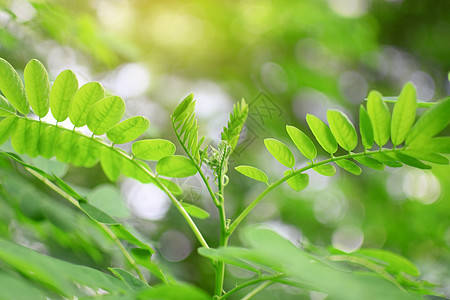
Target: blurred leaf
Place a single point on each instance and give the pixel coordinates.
(12, 87)
(7, 126)
(280, 151)
(411, 161)
(195, 211)
(387, 160)
(153, 149)
(325, 170)
(230, 255)
(322, 133)
(97, 215)
(427, 156)
(298, 182)
(395, 263)
(17, 288)
(232, 132)
(104, 114)
(62, 91)
(6, 109)
(111, 163)
(176, 166)
(369, 162)
(128, 278)
(404, 114)
(253, 173)
(302, 141)
(342, 129)
(173, 292)
(123, 233)
(108, 198)
(37, 87)
(128, 130)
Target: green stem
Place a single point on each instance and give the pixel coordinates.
(258, 289)
(248, 283)
(105, 228)
(271, 187)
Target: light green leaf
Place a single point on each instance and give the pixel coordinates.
(136, 169)
(97, 214)
(181, 108)
(153, 149)
(369, 162)
(128, 278)
(37, 87)
(302, 141)
(380, 116)
(253, 173)
(128, 130)
(427, 156)
(25, 138)
(63, 89)
(66, 142)
(433, 121)
(109, 199)
(174, 188)
(349, 166)
(85, 152)
(322, 133)
(195, 211)
(395, 263)
(365, 127)
(232, 132)
(48, 141)
(411, 161)
(298, 182)
(18, 288)
(105, 114)
(143, 258)
(176, 166)
(82, 102)
(12, 87)
(230, 255)
(6, 109)
(436, 145)
(7, 126)
(325, 170)
(111, 163)
(387, 160)
(125, 234)
(280, 151)
(173, 292)
(342, 129)
(404, 114)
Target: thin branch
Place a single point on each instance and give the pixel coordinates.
(258, 289)
(249, 283)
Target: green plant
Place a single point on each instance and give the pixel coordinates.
(270, 257)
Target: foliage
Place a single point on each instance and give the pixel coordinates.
(368, 271)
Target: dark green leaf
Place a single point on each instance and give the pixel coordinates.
(365, 127)
(427, 156)
(63, 89)
(97, 215)
(369, 162)
(342, 129)
(387, 160)
(322, 133)
(173, 292)
(404, 114)
(123, 233)
(281, 152)
(176, 166)
(349, 166)
(325, 170)
(302, 141)
(253, 173)
(153, 149)
(411, 161)
(380, 116)
(12, 87)
(297, 182)
(229, 255)
(83, 100)
(128, 278)
(37, 87)
(128, 130)
(436, 145)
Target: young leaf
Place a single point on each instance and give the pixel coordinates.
(365, 127)
(369, 162)
(195, 211)
(280, 151)
(153, 149)
(183, 106)
(176, 166)
(37, 87)
(349, 166)
(63, 89)
(105, 114)
(7, 126)
(237, 119)
(253, 173)
(297, 182)
(302, 141)
(82, 102)
(433, 121)
(128, 130)
(404, 114)
(322, 133)
(325, 170)
(411, 161)
(12, 87)
(380, 116)
(6, 109)
(342, 129)
(111, 163)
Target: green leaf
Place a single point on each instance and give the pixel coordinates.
(404, 114)
(68, 189)
(128, 278)
(7, 126)
(176, 166)
(369, 162)
(380, 116)
(342, 129)
(395, 263)
(63, 89)
(195, 211)
(25, 138)
(18, 288)
(85, 152)
(154, 149)
(173, 292)
(97, 215)
(111, 163)
(12, 87)
(325, 170)
(436, 145)
(6, 109)
(83, 100)
(143, 258)
(322, 133)
(174, 188)
(280, 151)
(104, 114)
(365, 127)
(136, 169)
(37, 87)
(123, 233)
(66, 141)
(302, 141)
(232, 133)
(387, 160)
(109, 199)
(181, 108)
(411, 161)
(427, 156)
(48, 142)
(230, 255)
(253, 173)
(349, 166)
(298, 182)
(433, 121)
(128, 130)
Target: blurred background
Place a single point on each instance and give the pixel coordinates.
(287, 59)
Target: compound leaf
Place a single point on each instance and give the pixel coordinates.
(63, 89)
(176, 166)
(83, 100)
(12, 87)
(380, 116)
(322, 133)
(154, 149)
(302, 141)
(404, 114)
(253, 173)
(37, 87)
(128, 130)
(365, 127)
(105, 114)
(280, 151)
(342, 129)
(297, 182)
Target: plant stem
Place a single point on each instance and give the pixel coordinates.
(248, 283)
(271, 187)
(105, 228)
(258, 289)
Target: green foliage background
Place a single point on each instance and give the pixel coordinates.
(306, 56)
